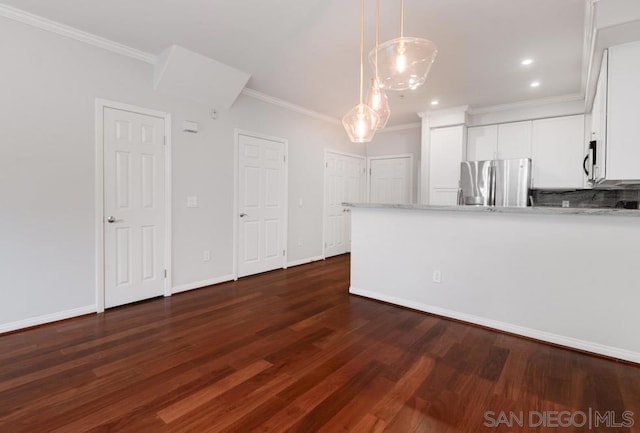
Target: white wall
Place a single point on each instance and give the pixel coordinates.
(399, 142)
(559, 278)
(47, 149)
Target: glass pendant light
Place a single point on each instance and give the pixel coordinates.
(377, 99)
(361, 121)
(404, 62)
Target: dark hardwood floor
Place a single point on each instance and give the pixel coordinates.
(291, 350)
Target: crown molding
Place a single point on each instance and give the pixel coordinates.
(73, 33)
(444, 111)
(531, 103)
(399, 127)
(288, 105)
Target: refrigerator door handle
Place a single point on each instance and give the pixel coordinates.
(584, 165)
(492, 189)
(592, 155)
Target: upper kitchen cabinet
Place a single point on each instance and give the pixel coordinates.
(595, 169)
(502, 141)
(555, 146)
(622, 144)
(482, 143)
(557, 152)
(514, 140)
(614, 148)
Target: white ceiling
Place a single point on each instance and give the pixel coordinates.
(306, 51)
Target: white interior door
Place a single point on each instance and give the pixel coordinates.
(355, 177)
(344, 182)
(261, 205)
(391, 180)
(134, 206)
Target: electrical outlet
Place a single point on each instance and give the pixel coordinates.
(300, 241)
(206, 255)
(437, 276)
(565, 203)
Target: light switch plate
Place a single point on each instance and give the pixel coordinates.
(437, 276)
(192, 201)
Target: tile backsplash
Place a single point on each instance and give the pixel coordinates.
(586, 198)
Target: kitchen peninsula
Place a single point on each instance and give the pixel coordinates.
(565, 276)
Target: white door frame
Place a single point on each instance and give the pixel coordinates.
(324, 192)
(100, 105)
(236, 180)
(401, 155)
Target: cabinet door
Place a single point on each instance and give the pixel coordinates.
(599, 120)
(444, 164)
(557, 152)
(514, 140)
(623, 131)
(482, 142)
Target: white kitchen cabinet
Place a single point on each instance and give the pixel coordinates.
(555, 146)
(614, 126)
(514, 140)
(599, 121)
(482, 142)
(622, 130)
(446, 148)
(557, 152)
(502, 141)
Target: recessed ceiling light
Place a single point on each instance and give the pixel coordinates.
(435, 102)
(526, 62)
(535, 84)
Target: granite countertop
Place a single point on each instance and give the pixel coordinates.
(542, 210)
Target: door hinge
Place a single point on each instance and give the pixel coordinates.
(370, 171)
(284, 158)
(164, 140)
(165, 273)
(284, 252)
(326, 165)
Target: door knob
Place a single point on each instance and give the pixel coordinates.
(242, 215)
(111, 219)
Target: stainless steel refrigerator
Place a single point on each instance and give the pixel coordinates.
(500, 182)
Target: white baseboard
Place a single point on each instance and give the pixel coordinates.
(561, 340)
(304, 261)
(200, 284)
(48, 318)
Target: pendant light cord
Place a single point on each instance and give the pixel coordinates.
(401, 18)
(377, 34)
(361, 46)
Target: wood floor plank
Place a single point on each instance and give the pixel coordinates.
(290, 350)
(199, 398)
